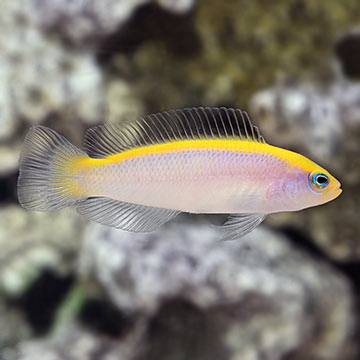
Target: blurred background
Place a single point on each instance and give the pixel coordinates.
(76, 290)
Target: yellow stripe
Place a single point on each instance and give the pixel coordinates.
(215, 144)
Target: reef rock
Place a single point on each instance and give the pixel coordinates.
(82, 22)
(9, 158)
(223, 52)
(323, 124)
(77, 343)
(13, 329)
(40, 80)
(39, 76)
(32, 241)
(201, 298)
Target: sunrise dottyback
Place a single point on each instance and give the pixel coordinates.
(196, 160)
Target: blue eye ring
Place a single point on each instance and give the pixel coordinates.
(320, 180)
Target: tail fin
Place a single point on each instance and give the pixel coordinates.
(45, 182)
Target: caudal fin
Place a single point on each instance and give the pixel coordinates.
(46, 179)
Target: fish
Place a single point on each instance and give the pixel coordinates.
(140, 175)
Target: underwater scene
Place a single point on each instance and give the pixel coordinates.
(179, 180)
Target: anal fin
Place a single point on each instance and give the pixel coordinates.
(125, 216)
(238, 225)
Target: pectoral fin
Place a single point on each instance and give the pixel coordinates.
(238, 225)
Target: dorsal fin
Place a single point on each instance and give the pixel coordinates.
(172, 125)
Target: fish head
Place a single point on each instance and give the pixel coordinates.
(322, 186)
(310, 185)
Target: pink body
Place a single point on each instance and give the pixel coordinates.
(199, 181)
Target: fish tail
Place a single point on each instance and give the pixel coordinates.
(47, 179)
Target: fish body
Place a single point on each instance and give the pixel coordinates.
(199, 160)
(200, 176)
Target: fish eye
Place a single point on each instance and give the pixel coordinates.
(320, 180)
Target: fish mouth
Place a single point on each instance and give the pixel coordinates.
(339, 190)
